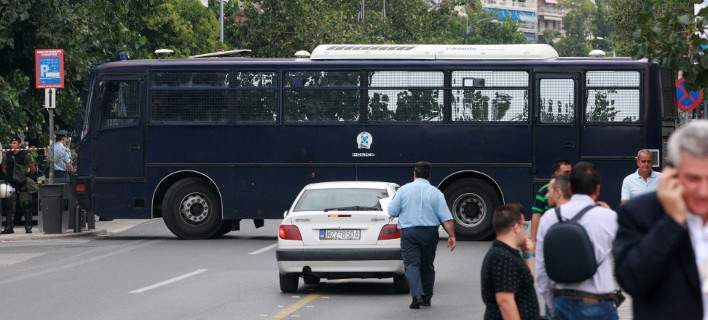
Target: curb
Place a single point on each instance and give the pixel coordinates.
(40, 236)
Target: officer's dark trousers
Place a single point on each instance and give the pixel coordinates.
(418, 245)
(14, 203)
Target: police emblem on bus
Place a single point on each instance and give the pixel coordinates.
(364, 140)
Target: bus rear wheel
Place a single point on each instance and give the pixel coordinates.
(472, 202)
(191, 209)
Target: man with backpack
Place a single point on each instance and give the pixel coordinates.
(573, 257)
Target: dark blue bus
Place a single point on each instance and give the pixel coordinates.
(206, 143)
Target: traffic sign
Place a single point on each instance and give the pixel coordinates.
(687, 100)
(49, 68)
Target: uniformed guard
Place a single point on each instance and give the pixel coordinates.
(18, 167)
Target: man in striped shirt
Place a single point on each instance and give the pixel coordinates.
(540, 202)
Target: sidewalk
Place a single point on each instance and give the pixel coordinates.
(102, 228)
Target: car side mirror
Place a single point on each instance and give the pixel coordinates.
(285, 214)
(384, 204)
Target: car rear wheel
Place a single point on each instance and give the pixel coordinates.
(191, 209)
(472, 202)
(400, 283)
(288, 282)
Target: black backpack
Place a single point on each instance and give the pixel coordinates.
(569, 255)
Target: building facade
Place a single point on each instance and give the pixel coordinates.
(550, 16)
(523, 12)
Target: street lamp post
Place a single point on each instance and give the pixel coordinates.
(221, 21)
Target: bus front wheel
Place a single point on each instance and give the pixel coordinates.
(191, 209)
(472, 202)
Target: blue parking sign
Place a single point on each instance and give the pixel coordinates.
(49, 68)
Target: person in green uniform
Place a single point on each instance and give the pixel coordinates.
(540, 202)
(18, 166)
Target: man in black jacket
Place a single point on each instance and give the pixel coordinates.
(662, 242)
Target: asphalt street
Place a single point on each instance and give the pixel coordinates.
(147, 273)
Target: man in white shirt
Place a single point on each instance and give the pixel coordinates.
(642, 181)
(574, 301)
(661, 248)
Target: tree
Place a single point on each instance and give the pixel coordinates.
(601, 26)
(665, 31)
(90, 32)
(578, 28)
(280, 28)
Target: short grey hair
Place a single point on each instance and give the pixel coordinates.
(691, 138)
(644, 151)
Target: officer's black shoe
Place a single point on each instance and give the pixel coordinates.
(28, 230)
(425, 302)
(415, 304)
(7, 231)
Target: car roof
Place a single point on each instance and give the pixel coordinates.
(349, 184)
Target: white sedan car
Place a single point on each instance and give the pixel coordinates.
(337, 230)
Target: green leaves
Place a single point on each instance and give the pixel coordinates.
(280, 28)
(666, 32)
(90, 32)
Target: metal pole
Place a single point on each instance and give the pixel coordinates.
(221, 20)
(51, 145)
(467, 26)
(383, 11)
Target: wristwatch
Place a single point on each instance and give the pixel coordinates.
(527, 255)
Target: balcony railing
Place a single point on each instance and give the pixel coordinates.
(546, 9)
(509, 3)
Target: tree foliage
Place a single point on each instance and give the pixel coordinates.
(578, 27)
(280, 28)
(90, 32)
(665, 31)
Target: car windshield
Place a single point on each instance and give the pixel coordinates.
(351, 199)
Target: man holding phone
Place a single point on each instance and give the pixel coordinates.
(661, 248)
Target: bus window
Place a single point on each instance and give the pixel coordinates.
(405, 96)
(557, 100)
(254, 99)
(213, 97)
(490, 96)
(612, 96)
(120, 105)
(321, 96)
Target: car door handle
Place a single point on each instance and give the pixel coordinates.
(569, 146)
(135, 147)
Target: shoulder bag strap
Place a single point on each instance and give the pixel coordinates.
(557, 210)
(580, 214)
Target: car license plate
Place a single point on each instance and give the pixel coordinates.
(340, 234)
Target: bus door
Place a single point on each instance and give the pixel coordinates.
(118, 145)
(556, 115)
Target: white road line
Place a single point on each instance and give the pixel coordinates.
(261, 250)
(123, 249)
(166, 282)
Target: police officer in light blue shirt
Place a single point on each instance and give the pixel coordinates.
(421, 208)
(644, 180)
(62, 158)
